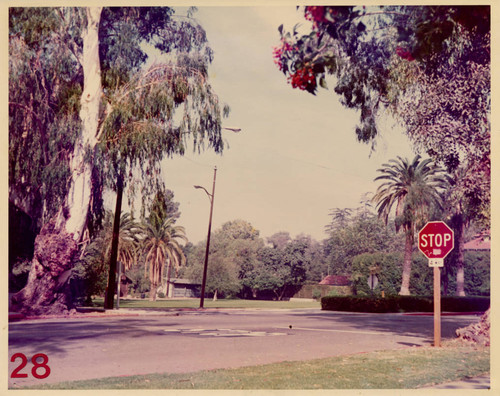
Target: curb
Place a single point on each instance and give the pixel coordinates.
(91, 312)
(102, 313)
(444, 313)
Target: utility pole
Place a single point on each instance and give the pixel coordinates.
(211, 197)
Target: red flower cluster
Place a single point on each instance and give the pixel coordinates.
(278, 53)
(315, 13)
(404, 53)
(303, 79)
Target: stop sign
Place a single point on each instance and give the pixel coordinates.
(435, 240)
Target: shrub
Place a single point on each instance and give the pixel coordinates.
(388, 268)
(403, 304)
(477, 274)
(316, 294)
(465, 304)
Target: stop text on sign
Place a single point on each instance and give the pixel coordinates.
(435, 240)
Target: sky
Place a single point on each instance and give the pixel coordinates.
(296, 157)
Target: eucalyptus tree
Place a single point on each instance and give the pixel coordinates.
(161, 245)
(121, 116)
(44, 94)
(412, 189)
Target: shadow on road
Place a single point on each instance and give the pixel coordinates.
(407, 325)
(55, 337)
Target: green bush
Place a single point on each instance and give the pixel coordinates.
(316, 294)
(403, 304)
(477, 274)
(388, 268)
(465, 304)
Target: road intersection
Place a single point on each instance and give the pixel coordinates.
(143, 342)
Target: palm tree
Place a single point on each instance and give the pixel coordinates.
(97, 254)
(414, 189)
(128, 241)
(161, 247)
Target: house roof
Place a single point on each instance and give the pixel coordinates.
(125, 279)
(480, 242)
(183, 281)
(335, 280)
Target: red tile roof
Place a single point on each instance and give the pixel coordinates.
(481, 242)
(335, 280)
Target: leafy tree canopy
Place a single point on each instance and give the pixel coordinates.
(429, 65)
(137, 127)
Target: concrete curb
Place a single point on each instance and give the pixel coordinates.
(94, 312)
(102, 313)
(480, 382)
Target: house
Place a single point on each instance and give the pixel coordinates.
(330, 285)
(335, 280)
(124, 282)
(181, 288)
(481, 242)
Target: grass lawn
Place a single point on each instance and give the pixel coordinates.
(209, 303)
(399, 369)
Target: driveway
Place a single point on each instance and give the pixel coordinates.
(159, 342)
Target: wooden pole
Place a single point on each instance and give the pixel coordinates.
(204, 280)
(437, 307)
(110, 295)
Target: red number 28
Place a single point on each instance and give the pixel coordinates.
(36, 365)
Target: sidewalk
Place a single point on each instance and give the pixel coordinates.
(481, 382)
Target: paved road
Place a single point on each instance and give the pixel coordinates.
(85, 348)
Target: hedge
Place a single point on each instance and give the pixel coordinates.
(403, 304)
(388, 267)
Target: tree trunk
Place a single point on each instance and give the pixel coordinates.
(405, 282)
(56, 246)
(282, 293)
(169, 268)
(110, 293)
(152, 293)
(47, 291)
(460, 257)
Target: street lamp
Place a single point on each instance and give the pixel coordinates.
(211, 197)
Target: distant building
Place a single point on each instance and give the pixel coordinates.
(481, 242)
(182, 288)
(125, 281)
(330, 285)
(335, 280)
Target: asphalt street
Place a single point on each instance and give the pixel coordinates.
(182, 342)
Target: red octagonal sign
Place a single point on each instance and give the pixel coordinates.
(435, 240)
